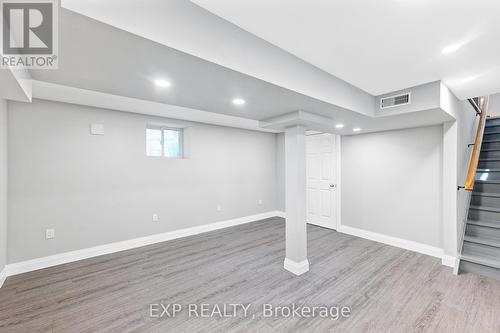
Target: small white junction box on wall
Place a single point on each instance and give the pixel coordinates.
(97, 129)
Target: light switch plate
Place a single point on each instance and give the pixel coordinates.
(97, 129)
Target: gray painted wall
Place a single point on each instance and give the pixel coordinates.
(401, 154)
(95, 190)
(3, 184)
(391, 183)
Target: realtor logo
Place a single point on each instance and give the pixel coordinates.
(29, 33)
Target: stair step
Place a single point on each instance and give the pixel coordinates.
(488, 170)
(486, 208)
(486, 194)
(494, 182)
(489, 159)
(481, 250)
(492, 136)
(490, 153)
(487, 224)
(488, 175)
(482, 240)
(489, 163)
(481, 231)
(480, 269)
(490, 199)
(483, 213)
(490, 149)
(485, 261)
(491, 141)
(486, 186)
(492, 128)
(490, 145)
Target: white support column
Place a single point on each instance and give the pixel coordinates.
(295, 202)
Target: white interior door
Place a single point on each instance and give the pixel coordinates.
(321, 180)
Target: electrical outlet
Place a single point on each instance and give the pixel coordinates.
(260, 201)
(219, 208)
(50, 233)
(156, 218)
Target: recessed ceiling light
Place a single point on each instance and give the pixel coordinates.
(239, 101)
(162, 83)
(356, 129)
(339, 126)
(452, 48)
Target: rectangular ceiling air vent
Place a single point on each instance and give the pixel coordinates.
(397, 100)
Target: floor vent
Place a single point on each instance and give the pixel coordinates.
(392, 101)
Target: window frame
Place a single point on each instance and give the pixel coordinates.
(180, 132)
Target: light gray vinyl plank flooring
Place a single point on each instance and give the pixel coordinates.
(388, 289)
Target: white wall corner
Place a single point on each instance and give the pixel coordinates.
(448, 102)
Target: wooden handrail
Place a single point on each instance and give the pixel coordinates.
(474, 160)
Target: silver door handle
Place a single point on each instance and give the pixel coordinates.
(332, 185)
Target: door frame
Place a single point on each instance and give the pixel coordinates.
(338, 164)
(338, 149)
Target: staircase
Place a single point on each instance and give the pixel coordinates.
(481, 246)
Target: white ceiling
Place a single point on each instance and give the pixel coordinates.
(130, 64)
(384, 45)
(184, 26)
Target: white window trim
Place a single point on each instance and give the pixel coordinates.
(181, 141)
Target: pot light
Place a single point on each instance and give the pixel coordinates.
(162, 83)
(239, 101)
(356, 129)
(339, 126)
(452, 48)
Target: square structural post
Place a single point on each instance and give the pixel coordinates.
(295, 202)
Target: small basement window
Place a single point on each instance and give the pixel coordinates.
(164, 141)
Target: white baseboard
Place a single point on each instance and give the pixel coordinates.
(297, 268)
(449, 261)
(63, 258)
(280, 214)
(3, 276)
(433, 251)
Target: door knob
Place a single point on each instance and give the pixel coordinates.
(332, 185)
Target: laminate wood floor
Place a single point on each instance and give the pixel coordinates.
(386, 288)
